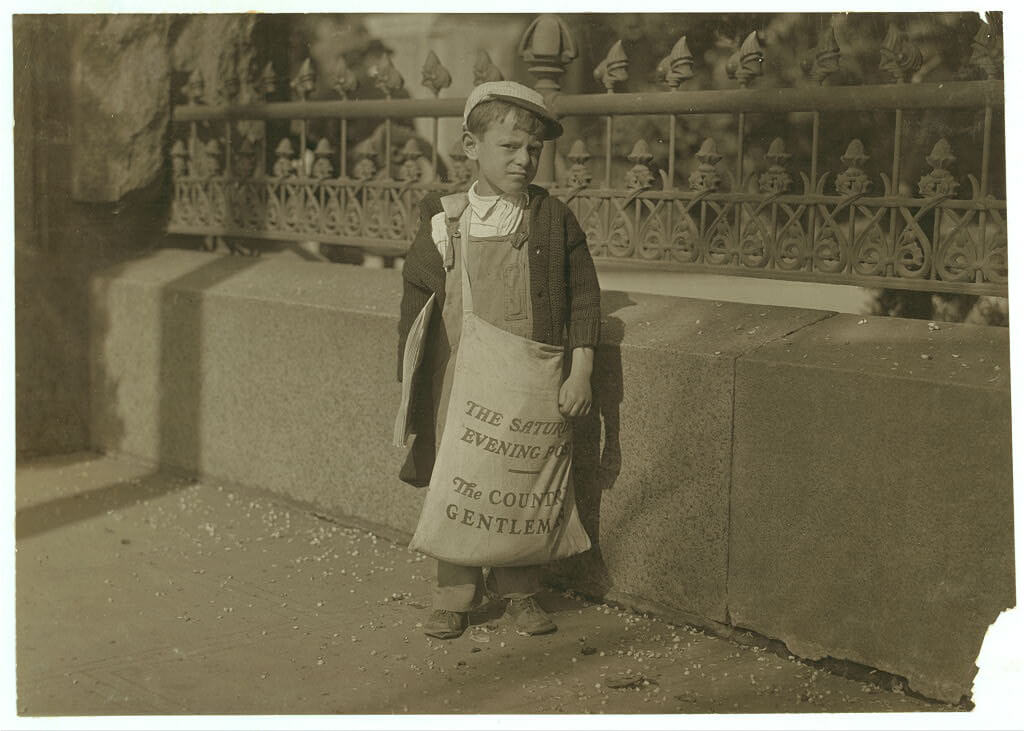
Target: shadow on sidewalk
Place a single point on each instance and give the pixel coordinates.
(57, 513)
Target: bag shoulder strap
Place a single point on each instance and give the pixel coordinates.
(453, 205)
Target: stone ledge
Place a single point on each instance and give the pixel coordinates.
(278, 279)
(871, 495)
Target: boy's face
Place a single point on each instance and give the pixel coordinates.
(506, 157)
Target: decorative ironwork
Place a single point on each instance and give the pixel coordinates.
(484, 69)
(345, 80)
(839, 226)
(823, 60)
(939, 181)
(212, 157)
(853, 180)
(548, 47)
(323, 165)
(179, 159)
(411, 153)
(284, 165)
(386, 77)
(266, 84)
(244, 160)
(746, 63)
(987, 51)
(614, 69)
(640, 176)
(579, 175)
(677, 66)
(705, 178)
(775, 180)
(228, 82)
(366, 161)
(461, 171)
(899, 57)
(305, 80)
(435, 76)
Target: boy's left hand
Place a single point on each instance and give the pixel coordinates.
(575, 396)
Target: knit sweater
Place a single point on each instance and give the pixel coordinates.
(566, 301)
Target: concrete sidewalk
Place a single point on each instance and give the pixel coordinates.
(144, 593)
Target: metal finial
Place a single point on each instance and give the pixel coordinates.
(435, 75)
(775, 179)
(853, 180)
(386, 77)
(940, 180)
(345, 81)
(677, 66)
(304, 81)
(746, 63)
(987, 51)
(267, 82)
(614, 68)
(705, 177)
(548, 47)
(899, 57)
(485, 70)
(823, 61)
(640, 176)
(579, 174)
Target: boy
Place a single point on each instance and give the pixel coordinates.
(529, 272)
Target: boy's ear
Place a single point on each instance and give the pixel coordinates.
(469, 145)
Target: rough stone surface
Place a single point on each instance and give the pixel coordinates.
(872, 496)
(263, 371)
(218, 46)
(653, 470)
(128, 69)
(120, 103)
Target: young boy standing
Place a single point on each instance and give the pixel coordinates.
(502, 281)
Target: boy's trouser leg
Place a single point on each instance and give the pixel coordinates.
(516, 582)
(458, 588)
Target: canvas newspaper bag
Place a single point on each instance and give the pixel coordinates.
(501, 491)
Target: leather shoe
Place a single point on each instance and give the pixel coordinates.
(445, 624)
(527, 617)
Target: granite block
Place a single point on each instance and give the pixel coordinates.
(872, 496)
(653, 469)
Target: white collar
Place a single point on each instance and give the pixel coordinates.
(484, 205)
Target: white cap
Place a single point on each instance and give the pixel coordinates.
(513, 93)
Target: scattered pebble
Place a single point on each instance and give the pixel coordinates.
(625, 680)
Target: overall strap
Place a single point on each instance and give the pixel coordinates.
(463, 234)
(453, 205)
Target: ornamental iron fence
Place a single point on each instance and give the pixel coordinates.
(769, 221)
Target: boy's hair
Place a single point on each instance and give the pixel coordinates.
(494, 111)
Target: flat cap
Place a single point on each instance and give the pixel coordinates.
(514, 93)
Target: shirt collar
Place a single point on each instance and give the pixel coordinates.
(484, 205)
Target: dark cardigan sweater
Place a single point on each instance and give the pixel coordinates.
(563, 286)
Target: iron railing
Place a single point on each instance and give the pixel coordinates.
(840, 228)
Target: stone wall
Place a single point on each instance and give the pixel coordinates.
(92, 100)
(839, 484)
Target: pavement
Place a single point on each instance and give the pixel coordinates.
(141, 592)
